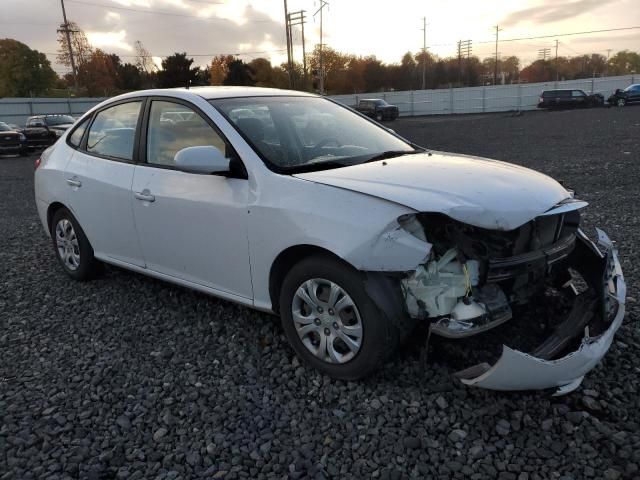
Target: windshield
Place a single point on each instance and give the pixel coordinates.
(59, 120)
(294, 134)
(4, 127)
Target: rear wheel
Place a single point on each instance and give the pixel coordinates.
(72, 248)
(330, 320)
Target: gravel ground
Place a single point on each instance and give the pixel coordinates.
(127, 377)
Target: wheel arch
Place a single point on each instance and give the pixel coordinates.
(286, 260)
(51, 211)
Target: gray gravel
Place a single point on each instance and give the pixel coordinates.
(128, 377)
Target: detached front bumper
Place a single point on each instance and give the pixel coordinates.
(517, 370)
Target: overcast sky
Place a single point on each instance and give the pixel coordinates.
(386, 29)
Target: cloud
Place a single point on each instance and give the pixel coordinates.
(109, 40)
(554, 11)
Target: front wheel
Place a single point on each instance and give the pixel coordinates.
(621, 102)
(331, 322)
(73, 250)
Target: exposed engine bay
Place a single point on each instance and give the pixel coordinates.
(473, 277)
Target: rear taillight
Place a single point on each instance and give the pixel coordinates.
(37, 163)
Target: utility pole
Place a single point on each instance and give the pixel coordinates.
(424, 53)
(67, 31)
(556, 61)
(323, 4)
(293, 19)
(606, 65)
(495, 70)
(289, 49)
(543, 53)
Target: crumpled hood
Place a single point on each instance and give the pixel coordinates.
(481, 192)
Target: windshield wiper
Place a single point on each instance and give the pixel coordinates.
(391, 154)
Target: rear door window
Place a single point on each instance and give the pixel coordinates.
(76, 136)
(113, 131)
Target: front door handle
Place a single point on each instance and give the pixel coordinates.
(145, 196)
(74, 182)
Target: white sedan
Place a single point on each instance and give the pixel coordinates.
(294, 204)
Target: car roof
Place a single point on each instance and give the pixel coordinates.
(561, 90)
(213, 93)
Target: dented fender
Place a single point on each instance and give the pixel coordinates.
(393, 250)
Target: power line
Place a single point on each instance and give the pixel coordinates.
(199, 54)
(563, 34)
(159, 12)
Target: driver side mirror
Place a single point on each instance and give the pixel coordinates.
(203, 159)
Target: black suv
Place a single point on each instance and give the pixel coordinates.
(378, 109)
(630, 94)
(567, 98)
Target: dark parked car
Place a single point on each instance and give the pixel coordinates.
(620, 98)
(378, 109)
(569, 98)
(44, 130)
(11, 141)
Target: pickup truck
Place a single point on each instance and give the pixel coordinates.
(44, 130)
(378, 109)
(11, 140)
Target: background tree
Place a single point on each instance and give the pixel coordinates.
(143, 61)
(176, 71)
(219, 69)
(239, 73)
(624, 62)
(98, 75)
(82, 49)
(23, 71)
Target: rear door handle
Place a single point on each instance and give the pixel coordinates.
(145, 196)
(74, 182)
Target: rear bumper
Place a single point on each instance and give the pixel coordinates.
(517, 370)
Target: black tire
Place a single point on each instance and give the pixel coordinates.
(89, 267)
(379, 336)
(379, 116)
(621, 102)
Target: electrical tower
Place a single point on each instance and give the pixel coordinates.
(293, 19)
(67, 32)
(544, 53)
(464, 51)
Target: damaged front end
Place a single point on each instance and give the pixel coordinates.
(473, 279)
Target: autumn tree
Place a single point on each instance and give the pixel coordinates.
(144, 61)
(98, 74)
(219, 68)
(23, 71)
(82, 49)
(624, 62)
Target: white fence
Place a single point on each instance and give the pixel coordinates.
(497, 98)
(17, 110)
